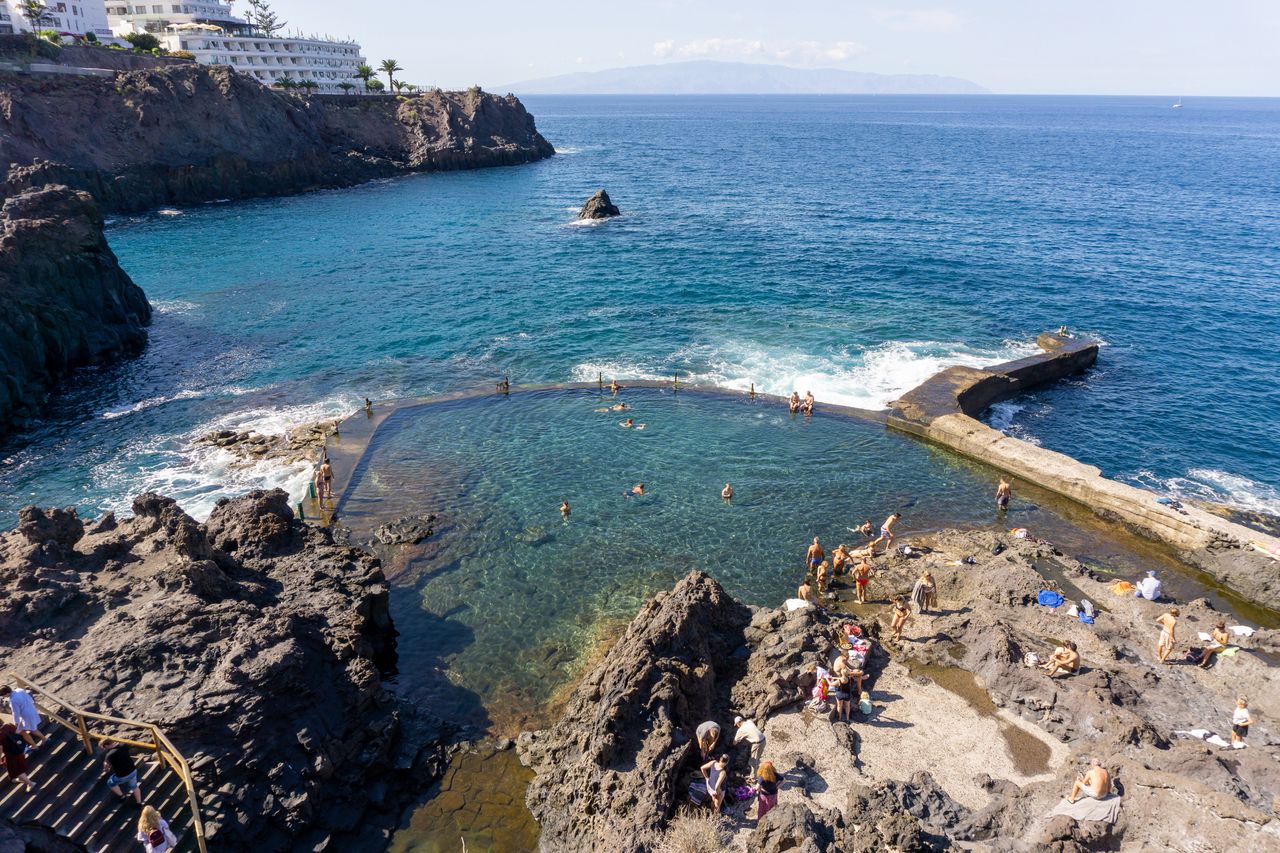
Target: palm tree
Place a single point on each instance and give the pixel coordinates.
(365, 73)
(346, 87)
(35, 12)
(287, 83)
(412, 88)
(390, 67)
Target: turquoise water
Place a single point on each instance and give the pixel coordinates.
(510, 595)
(848, 245)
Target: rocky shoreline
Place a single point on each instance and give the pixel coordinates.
(613, 773)
(253, 640)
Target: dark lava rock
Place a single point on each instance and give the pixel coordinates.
(67, 302)
(799, 827)
(253, 640)
(409, 530)
(599, 206)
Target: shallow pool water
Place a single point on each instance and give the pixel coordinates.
(509, 597)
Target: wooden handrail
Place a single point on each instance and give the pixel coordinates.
(166, 753)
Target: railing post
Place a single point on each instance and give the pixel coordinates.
(84, 733)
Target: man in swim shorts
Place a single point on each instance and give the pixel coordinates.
(861, 577)
(807, 406)
(1004, 493)
(886, 531)
(1168, 622)
(1095, 784)
(805, 593)
(814, 556)
(793, 405)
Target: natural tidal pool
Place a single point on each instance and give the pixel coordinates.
(508, 598)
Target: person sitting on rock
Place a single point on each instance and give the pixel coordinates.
(840, 560)
(1220, 640)
(708, 735)
(1096, 784)
(793, 405)
(805, 593)
(1065, 659)
(1149, 587)
(716, 775)
(807, 405)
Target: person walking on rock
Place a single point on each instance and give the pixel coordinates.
(14, 752)
(26, 716)
(1168, 622)
(886, 531)
(751, 734)
(154, 832)
(122, 773)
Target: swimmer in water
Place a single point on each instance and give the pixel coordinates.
(727, 493)
(614, 387)
(616, 407)
(564, 510)
(637, 490)
(627, 424)
(793, 405)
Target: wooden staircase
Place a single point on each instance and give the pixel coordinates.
(71, 795)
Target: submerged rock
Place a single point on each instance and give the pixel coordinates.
(409, 530)
(599, 206)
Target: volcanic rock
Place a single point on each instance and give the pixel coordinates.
(67, 302)
(599, 206)
(253, 640)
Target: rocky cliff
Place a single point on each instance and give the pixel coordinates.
(253, 640)
(67, 302)
(182, 134)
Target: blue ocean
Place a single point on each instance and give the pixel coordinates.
(846, 245)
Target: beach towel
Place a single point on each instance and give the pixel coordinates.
(1107, 809)
(1122, 588)
(742, 792)
(795, 604)
(1216, 740)
(1200, 734)
(1086, 619)
(1241, 630)
(1049, 598)
(1228, 651)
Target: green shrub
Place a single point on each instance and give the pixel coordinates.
(91, 37)
(143, 41)
(182, 54)
(51, 36)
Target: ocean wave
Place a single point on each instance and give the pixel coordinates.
(184, 394)
(169, 211)
(1213, 486)
(173, 306)
(866, 378)
(198, 476)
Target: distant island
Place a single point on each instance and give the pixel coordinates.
(707, 77)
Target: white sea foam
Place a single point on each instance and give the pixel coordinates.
(184, 394)
(173, 306)
(169, 211)
(868, 378)
(1210, 484)
(197, 476)
(568, 149)
(1002, 415)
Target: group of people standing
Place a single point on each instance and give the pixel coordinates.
(763, 779)
(20, 737)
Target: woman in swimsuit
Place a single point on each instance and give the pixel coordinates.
(901, 613)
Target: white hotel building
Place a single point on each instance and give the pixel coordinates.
(73, 18)
(208, 29)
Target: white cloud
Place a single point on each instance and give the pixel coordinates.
(792, 53)
(936, 20)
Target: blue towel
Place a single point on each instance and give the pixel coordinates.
(1086, 618)
(1049, 598)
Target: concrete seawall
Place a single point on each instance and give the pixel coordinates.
(945, 409)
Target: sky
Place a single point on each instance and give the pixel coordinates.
(1116, 47)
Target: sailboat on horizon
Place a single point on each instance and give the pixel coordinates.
(1178, 104)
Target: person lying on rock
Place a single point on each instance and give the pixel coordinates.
(708, 737)
(1220, 640)
(1065, 660)
(716, 774)
(1095, 784)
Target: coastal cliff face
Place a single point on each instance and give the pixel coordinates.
(253, 640)
(67, 302)
(185, 134)
(928, 769)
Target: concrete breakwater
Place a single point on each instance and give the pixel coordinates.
(945, 409)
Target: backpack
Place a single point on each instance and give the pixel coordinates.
(156, 838)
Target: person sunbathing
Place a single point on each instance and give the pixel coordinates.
(1220, 640)
(1065, 659)
(1095, 784)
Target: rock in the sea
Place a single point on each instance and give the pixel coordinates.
(599, 206)
(67, 302)
(253, 640)
(409, 530)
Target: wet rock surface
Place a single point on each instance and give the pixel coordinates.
(616, 768)
(67, 303)
(599, 206)
(409, 530)
(254, 641)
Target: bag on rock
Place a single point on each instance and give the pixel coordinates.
(1031, 659)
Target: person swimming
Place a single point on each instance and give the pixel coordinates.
(616, 407)
(614, 387)
(727, 493)
(637, 490)
(627, 424)
(564, 510)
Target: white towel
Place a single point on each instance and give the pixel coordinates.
(1216, 741)
(1202, 635)
(1195, 733)
(1241, 630)
(795, 604)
